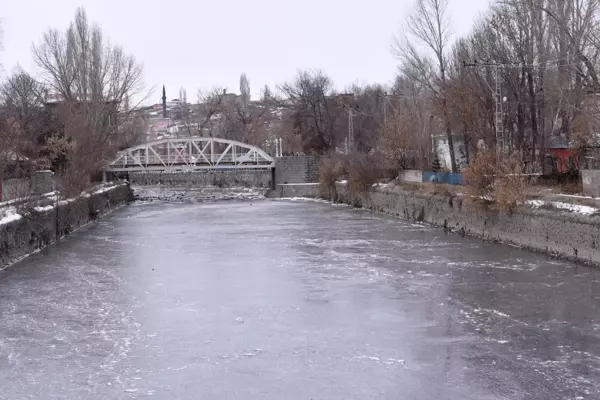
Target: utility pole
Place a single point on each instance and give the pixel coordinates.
(499, 100)
(351, 129)
(350, 137)
(498, 103)
(385, 105)
(499, 107)
(385, 100)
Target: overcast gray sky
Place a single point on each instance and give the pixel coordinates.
(202, 44)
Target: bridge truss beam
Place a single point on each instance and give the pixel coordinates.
(190, 154)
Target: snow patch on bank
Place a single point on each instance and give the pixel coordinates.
(44, 208)
(9, 215)
(103, 188)
(575, 208)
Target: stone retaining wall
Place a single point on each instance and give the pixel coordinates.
(37, 230)
(258, 178)
(39, 183)
(295, 190)
(297, 169)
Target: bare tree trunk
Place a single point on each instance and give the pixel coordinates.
(467, 144)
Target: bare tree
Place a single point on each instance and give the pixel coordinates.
(368, 115)
(90, 78)
(396, 141)
(545, 52)
(245, 89)
(247, 121)
(209, 107)
(267, 95)
(1, 39)
(310, 97)
(429, 24)
(22, 99)
(186, 112)
(412, 98)
(12, 141)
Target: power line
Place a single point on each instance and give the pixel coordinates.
(517, 65)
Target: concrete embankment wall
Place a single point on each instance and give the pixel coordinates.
(558, 233)
(310, 190)
(296, 169)
(37, 229)
(258, 178)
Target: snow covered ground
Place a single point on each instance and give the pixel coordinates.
(193, 195)
(575, 208)
(9, 215)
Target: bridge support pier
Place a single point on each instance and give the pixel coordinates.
(257, 178)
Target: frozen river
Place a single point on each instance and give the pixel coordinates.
(293, 300)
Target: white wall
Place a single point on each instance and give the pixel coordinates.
(443, 151)
(411, 175)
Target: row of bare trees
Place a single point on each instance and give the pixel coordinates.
(306, 112)
(526, 74)
(78, 114)
(525, 78)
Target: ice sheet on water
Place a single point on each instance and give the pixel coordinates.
(301, 199)
(194, 195)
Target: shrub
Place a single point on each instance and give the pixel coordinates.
(331, 169)
(362, 173)
(509, 187)
(500, 181)
(395, 141)
(480, 174)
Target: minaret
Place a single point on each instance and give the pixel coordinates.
(164, 103)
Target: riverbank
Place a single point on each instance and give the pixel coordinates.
(562, 233)
(24, 233)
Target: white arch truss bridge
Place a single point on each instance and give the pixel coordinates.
(189, 154)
